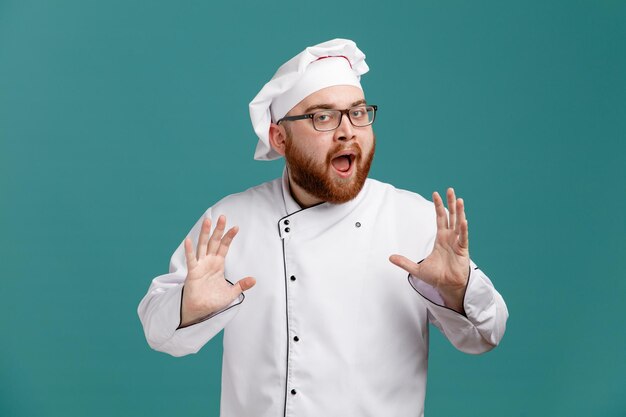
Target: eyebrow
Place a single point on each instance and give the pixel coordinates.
(330, 106)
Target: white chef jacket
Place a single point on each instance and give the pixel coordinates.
(331, 328)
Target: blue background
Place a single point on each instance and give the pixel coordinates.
(122, 121)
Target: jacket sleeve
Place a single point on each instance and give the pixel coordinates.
(160, 315)
(484, 322)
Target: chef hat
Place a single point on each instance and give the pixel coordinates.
(336, 62)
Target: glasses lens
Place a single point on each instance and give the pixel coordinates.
(362, 115)
(326, 120)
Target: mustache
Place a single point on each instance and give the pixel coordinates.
(353, 147)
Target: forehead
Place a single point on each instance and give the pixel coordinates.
(338, 97)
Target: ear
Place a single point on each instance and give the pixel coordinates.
(277, 138)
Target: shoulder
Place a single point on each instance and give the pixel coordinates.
(404, 214)
(388, 194)
(267, 195)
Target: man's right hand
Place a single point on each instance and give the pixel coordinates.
(206, 290)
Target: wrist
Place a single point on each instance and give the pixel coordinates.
(190, 312)
(454, 296)
(454, 299)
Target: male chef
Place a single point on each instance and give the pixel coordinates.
(342, 274)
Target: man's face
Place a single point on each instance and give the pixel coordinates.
(330, 166)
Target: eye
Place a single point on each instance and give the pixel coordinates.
(323, 117)
(358, 112)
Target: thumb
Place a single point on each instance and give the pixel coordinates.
(406, 264)
(243, 284)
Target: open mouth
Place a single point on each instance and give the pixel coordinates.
(344, 162)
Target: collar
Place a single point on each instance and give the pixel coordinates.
(291, 205)
(311, 219)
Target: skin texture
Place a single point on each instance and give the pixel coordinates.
(313, 180)
(206, 289)
(308, 153)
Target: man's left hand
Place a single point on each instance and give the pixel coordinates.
(447, 267)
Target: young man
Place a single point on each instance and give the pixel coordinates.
(331, 324)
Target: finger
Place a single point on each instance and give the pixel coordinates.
(451, 207)
(226, 240)
(442, 219)
(406, 264)
(460, 214)
(203, 239)
(242, 285)
(464, 236)
(189, 255)
(246, 283)
(216, 237)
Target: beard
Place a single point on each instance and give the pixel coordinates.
(315, 177)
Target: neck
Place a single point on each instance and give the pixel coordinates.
(304, 199)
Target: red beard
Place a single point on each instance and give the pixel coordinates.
(314, 177)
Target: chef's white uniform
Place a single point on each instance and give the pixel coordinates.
(332, 328)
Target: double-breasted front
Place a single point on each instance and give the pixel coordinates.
(332, 328)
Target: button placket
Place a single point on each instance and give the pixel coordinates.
(294, 352)
(286, 227)
(291, 281)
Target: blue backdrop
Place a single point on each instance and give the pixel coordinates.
(122, 121)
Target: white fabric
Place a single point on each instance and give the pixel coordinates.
(325, 72)
(362, 326)
(309, 71)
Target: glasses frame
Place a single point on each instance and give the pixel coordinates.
(344, 111)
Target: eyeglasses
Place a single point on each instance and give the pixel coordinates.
(327, 120)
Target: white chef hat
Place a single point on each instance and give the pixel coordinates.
(336, 62)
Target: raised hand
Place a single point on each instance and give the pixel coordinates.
(206, 290)
(447, 267)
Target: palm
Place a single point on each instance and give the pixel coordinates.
(206, 278)
(447, 263)
(206, 289)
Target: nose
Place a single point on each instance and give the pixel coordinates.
(345, 131)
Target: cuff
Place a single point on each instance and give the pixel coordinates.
(477, 300)
(235, 302)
